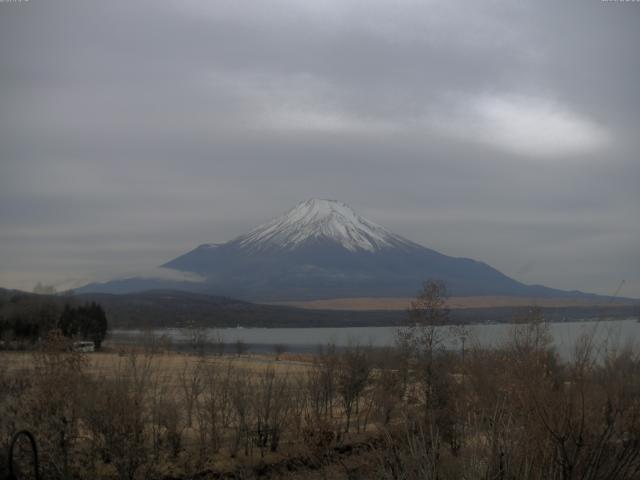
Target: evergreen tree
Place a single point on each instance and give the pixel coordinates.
(68, 323)
(88, 322)
(99, 324)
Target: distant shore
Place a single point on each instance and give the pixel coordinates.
(402, 303)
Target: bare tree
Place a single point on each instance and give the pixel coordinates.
(198, 338)
(427, 314)
(279, 349)
(242, 411)
(425, 337)
(217, 341)
(190, 380)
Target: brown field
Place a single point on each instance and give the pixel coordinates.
(413, 412)
(171, 381)
(170, 363)
(399, 303)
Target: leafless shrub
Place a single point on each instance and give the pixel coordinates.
(271, 406)
(387, 393)
(299, 403)
(116, 416)
(354, 369)
(242, 411)
(409, 454)
(51, 406)
(215, 407)
(190, 380)
(318, 436)
(322, 383)
(171, 425)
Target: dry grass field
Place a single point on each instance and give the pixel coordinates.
(412, 412)
(198, 412)
(170, 363)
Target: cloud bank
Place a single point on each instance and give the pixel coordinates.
(504, 131)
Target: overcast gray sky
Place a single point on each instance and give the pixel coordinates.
(502, 130)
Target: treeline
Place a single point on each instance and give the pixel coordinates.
(28, 319)
(417, 411)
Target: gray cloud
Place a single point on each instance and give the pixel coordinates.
(503, 131)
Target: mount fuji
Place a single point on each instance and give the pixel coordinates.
(322, 249)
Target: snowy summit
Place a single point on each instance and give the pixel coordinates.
(321, 220)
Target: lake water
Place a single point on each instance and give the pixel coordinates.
(565, 334)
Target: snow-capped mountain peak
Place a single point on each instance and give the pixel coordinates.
(321, 219)
(323, 249)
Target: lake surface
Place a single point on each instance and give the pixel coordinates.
(615, 332)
